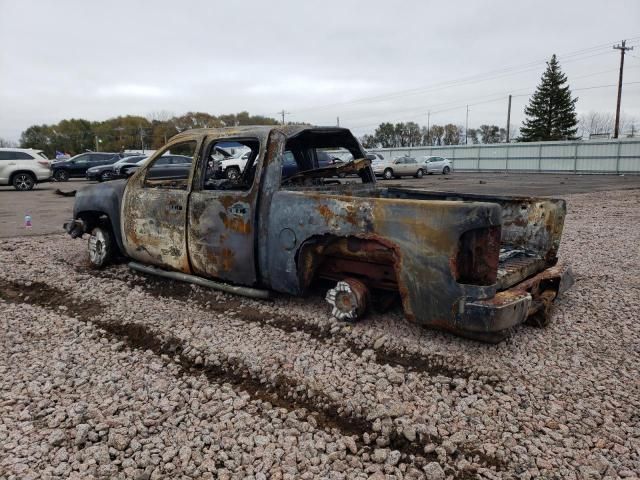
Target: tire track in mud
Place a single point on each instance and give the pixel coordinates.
(279, 391)
(429, 364)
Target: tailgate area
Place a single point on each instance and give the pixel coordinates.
(516, 265)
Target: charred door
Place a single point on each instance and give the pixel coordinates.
(154, 215)
(222, 213)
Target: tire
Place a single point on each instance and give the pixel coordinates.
(419, 173)
(342, 175)
(388, 174)
(23, 181)
(446, 171)
(105, 176)
(232, 173)
(101, 247)
(61, 176)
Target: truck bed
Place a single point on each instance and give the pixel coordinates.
(531, 227)
(474, 264)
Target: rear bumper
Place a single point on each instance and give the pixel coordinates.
(490, 320)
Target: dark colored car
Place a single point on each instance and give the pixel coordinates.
(166, 166)
(77, 166)
(129, 167)
(324, 160)
(108, 171)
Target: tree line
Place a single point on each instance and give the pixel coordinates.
(128, 132)
(411, 134)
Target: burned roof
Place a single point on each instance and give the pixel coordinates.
(261, 131)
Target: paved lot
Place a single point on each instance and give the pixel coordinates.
(49, 211)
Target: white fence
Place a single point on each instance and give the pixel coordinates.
(611, 156)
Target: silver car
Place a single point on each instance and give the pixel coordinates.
(398, 167)
(436, 165)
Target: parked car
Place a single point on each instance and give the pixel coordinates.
(23, 167)
(375, 157)
(475, 265)
(76, 167)
(232, 167)
(165, 167)
(106, 172)
(128, 166)
(398, 167)
(436, 165)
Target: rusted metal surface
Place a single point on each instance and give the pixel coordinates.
(349, 299)
(439, 252)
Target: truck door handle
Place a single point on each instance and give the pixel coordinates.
(175, 207)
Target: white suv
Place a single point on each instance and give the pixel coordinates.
(23, 167)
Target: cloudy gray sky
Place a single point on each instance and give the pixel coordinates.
(365, 61)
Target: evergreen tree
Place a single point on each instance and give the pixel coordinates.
(551, 113)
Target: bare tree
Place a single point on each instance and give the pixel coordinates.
(596, 123)
(489, 133)
(436, 134)
(4, 143)
(452, 134)
(160, 116)
(628, 125)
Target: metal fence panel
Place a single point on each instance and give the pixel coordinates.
(610, 156)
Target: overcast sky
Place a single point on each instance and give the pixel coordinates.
(364, 61)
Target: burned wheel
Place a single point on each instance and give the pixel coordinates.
(101, 247)
(349, 299)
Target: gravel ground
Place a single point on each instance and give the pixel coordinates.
(110, 374)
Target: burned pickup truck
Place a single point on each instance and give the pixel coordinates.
(474, 265)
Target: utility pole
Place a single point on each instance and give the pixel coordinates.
(508, 118)
(623, 48)
(97, 149)
(466, 127)
(428, 127)
(283, 113)
(338, 121)
(142, 139)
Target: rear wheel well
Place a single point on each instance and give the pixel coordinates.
(94, 219)
(329, 257)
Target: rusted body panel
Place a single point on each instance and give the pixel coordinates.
(471, 264)
(421, 236)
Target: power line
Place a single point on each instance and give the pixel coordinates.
(491, 97)
(500, 98)
(473, 78)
